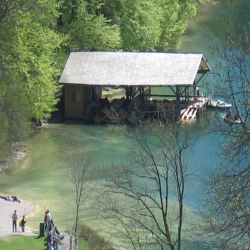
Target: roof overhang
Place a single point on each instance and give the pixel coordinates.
(133, 68)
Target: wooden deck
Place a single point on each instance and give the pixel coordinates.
(191, 111)
(188, 109)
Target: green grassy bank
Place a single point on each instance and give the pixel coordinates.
(19, 242)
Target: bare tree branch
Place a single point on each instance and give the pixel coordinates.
(78, 175)
(145, 195)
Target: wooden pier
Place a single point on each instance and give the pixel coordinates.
(190, 113)
(186, 110)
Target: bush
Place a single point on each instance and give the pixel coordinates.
(95, 241)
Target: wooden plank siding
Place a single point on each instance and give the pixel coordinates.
(77, 98)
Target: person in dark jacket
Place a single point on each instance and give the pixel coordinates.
(22, 223)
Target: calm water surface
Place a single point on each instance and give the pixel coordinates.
(42, 177)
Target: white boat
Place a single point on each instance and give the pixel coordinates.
(219, 104)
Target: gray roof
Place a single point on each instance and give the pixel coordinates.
(133, 68)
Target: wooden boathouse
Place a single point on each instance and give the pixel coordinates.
(149, 79)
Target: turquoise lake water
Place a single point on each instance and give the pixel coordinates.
(42, 177)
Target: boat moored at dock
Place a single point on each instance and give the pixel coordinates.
(219, 104)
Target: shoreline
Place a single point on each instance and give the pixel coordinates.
(17, 154)
(7, 209)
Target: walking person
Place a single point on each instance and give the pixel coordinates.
(22, 223)
(14, 219)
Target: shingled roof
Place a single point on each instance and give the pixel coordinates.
(133, 68)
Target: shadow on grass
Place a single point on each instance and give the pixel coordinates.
(45, 240)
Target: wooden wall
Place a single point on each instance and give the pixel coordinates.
(77, 98)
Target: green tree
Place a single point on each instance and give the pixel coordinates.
(137, 25)
(140, 25)
(153, 25)
(13, 112)
(91, 31)
(29, 69)
(29, 52)
(88, 28)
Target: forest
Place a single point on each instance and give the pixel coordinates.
(36, 37)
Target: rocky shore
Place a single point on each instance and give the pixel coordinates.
(17, 154)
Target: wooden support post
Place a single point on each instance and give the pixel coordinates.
(178, 110)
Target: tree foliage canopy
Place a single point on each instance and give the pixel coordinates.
(36, 37)
(14, 112)
(28, 44)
